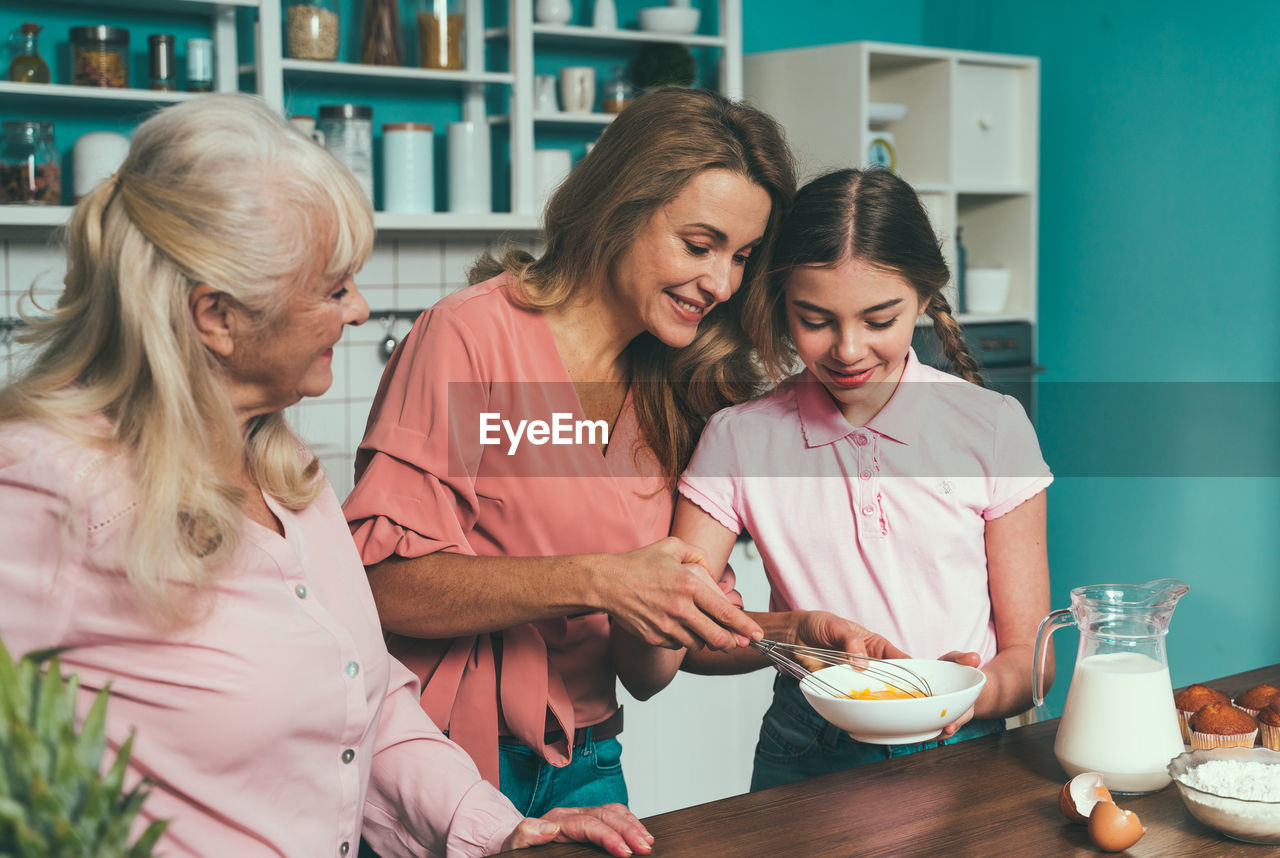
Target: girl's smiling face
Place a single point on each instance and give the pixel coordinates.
(852, 325)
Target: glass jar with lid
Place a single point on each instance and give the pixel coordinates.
(100, 56)
(29, 168)
(311, 29)
(618, 92)
(348, 135)
(441, 25)
(27, 65)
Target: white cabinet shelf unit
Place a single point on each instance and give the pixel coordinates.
(277, 79)
(968, 141)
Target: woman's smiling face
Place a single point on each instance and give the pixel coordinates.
(852, 326)
(690, 256)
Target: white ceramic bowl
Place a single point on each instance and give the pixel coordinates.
(1242, 819)
(669, 19)
(895, 722)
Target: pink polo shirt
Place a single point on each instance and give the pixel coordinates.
(426, 481)
(275, 725)
(883, 524)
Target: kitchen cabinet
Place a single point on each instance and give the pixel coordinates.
(495, 86)
(968, 140)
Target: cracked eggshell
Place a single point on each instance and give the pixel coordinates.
(1112, 829)
(1080, 794)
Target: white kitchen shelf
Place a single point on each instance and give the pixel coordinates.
(398, 222)
(338, 71)
(33, 216)
(574, 34)
(561, 118)
(179, 6)
(64, 92)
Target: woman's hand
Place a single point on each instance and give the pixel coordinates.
(972, 660)
(825, 630)
(612, 827)
(665, 596)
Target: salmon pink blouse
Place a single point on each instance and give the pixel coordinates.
(275, 723)
(445, 465)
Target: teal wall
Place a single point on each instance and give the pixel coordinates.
(1159, 268)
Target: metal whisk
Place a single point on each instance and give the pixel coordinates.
(889, 672)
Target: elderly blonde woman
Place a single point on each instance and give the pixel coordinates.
(162, 522)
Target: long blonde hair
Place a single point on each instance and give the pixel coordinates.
(644, 159)
(219, 190)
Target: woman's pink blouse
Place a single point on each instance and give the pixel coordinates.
(276, 723)
(427, 481)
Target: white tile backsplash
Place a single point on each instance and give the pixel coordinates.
(402, 274)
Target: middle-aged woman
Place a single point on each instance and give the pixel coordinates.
(515, 483)
(162, 522)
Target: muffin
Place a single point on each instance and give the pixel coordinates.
(1221, 725)
(1257, 697)
(1269, 724)
(1190, 700)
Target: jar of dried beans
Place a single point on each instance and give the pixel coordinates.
(100, 56)
(311, 29)
(29, 168)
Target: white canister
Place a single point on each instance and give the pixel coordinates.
(408, 167)
(96, 156)
(986, 290)
(469, 167)
(550, 166)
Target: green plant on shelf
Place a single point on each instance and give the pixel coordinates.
(55, 800)
(662, 64)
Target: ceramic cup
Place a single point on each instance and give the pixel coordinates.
(550, 166)
(577, 89)
(553, 11)
(986, 290)
(544, 94)
(95, 157)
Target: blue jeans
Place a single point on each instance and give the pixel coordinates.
(593, 777)
(797, 743)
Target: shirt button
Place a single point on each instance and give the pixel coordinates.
(300, 591)
(860, 440)
(352, 669)
(865, 475)
(868, 509)
(344, 848)
(348, 755)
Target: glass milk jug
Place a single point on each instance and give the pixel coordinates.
(1119, 719)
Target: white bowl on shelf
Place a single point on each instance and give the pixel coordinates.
(669, 19)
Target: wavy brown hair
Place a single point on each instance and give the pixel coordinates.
(644, 159)
(868, 215)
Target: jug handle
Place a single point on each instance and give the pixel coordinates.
(1056, 619)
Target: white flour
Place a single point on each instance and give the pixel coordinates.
(1254, 781)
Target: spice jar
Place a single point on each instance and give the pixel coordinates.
(27, 65)
(199, 65)
(100, 56)
(29, 168)
(160, 53)
(380, 41)
(311, 29)
(617, 92)
(348, 135)
(441, 24)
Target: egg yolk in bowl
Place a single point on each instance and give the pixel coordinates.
(889, 693)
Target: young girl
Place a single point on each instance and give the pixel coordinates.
(875, 487)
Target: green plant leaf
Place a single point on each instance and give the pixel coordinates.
(146, 842)
(93, 732)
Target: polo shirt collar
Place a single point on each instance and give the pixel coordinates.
(899, 419)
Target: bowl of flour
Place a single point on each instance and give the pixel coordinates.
(1235, 790)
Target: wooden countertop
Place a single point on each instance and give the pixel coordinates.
(995, 795)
